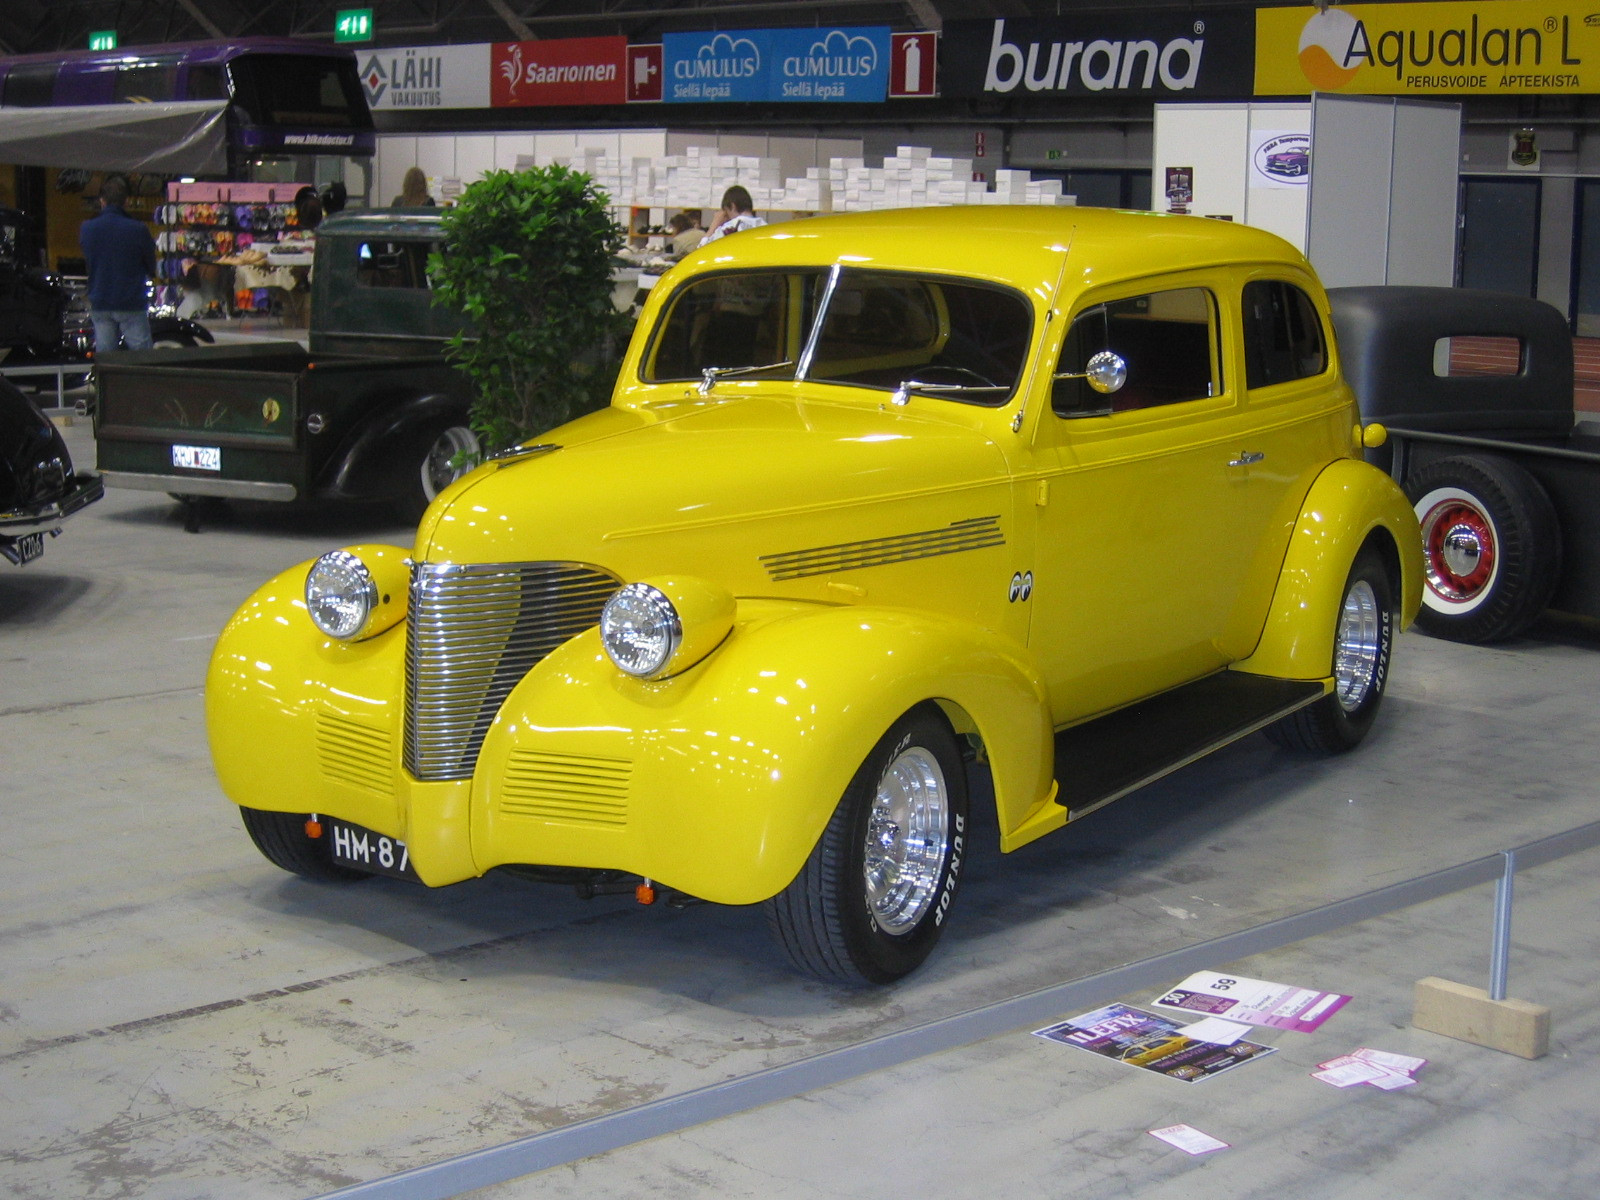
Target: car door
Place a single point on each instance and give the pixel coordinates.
(1298, 418)
(1143, 536)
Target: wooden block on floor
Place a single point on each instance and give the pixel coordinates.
(1467, 1014)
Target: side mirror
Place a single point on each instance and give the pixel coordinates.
(1106, 372)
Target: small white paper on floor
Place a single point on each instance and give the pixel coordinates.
(1216, 1031)
(1188, 1139)
(1402, 1063)
(1347, 1072)
(1393, 1081)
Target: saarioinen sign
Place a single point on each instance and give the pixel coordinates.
(1493, 47)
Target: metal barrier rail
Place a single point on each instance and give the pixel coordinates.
(568, 1143)
(59, 370)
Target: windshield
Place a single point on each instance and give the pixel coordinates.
(958, 339)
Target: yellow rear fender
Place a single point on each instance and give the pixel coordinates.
(1350, 504)
(719, 781)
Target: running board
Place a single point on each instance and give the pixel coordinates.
(1106, 758)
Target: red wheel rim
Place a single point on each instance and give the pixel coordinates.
(1458, 541)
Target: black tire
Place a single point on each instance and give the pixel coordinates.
(1362, 646)
(834, 921)
(434, 469)
(281, 837)
(1492, 547)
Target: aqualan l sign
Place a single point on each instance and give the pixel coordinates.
(562, 71)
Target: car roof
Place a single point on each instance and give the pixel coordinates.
(389, 222)
(1015, 244)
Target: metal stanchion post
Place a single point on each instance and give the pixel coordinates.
(1500, 949)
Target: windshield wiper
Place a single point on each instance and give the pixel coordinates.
(710, 375)
(902, 394)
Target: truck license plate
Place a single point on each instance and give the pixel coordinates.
(197, 458)
(355, 846)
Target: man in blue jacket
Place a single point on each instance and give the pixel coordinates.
(121, 258)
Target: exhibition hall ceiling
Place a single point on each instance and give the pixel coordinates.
(34, 26)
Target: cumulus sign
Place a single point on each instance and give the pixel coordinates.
(804, 65)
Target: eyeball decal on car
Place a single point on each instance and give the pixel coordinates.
(1021, 586)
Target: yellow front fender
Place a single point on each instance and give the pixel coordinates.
(1350, 503)
(719, 781)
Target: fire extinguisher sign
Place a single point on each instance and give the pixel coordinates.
(913, 65)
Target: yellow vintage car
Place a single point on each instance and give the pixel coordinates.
(1066, 496)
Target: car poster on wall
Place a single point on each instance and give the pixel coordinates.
(1280, 158)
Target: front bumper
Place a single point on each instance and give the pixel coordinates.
(48, 517)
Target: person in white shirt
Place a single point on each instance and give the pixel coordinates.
(738, 213)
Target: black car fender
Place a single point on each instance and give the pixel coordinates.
(381, 454)
(178, 329)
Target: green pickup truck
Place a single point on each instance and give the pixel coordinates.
(370, 411)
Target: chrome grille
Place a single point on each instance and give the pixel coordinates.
(472, 632)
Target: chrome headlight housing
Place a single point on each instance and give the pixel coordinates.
(340, 594)
(640, 629)
(357, 593)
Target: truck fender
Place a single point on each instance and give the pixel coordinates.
(720, 780)
(383, 452)
(1349, 504)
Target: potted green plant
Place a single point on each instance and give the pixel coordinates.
(527, 258)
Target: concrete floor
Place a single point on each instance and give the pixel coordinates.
(180, 1019)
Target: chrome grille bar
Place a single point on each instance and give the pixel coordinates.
(472, 632)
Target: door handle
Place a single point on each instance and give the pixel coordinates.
(1246, 458)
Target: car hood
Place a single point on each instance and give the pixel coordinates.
(713, 488)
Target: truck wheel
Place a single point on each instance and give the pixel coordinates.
(872, 899)
(1362, 643)
(281, 837)
(1491, 545)
(437, 469)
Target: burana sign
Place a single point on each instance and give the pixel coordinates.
(1498, 46)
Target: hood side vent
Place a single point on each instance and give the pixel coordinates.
(973, 533)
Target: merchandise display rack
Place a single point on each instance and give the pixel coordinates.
(233, 226)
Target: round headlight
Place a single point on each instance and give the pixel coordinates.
(340, 594)
(640, 629)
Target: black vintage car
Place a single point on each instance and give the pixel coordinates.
(1476, 391)
(38, 487)
(44, 317)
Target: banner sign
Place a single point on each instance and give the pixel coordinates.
(559, 71)
(414, 77)
(786, 65)
(1490, 47)
(1155, 53)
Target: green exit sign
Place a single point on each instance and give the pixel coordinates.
(1052, 154)
(103, 39)
(352, 25)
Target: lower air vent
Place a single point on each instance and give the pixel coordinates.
(570, 788)
(355, 754)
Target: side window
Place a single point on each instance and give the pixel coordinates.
(206, 83)
(1282, 334)
(148, 81)
(31, 85)
(393, 264)
(1168, 340)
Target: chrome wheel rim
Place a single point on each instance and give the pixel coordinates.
(1460, 550)
(907, 832)
(1357, 645)
(438, 472)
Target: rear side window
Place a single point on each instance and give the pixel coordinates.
(1282, 334)
(149, 81)
(393, 264)
(1167, 339)
(31, 85)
